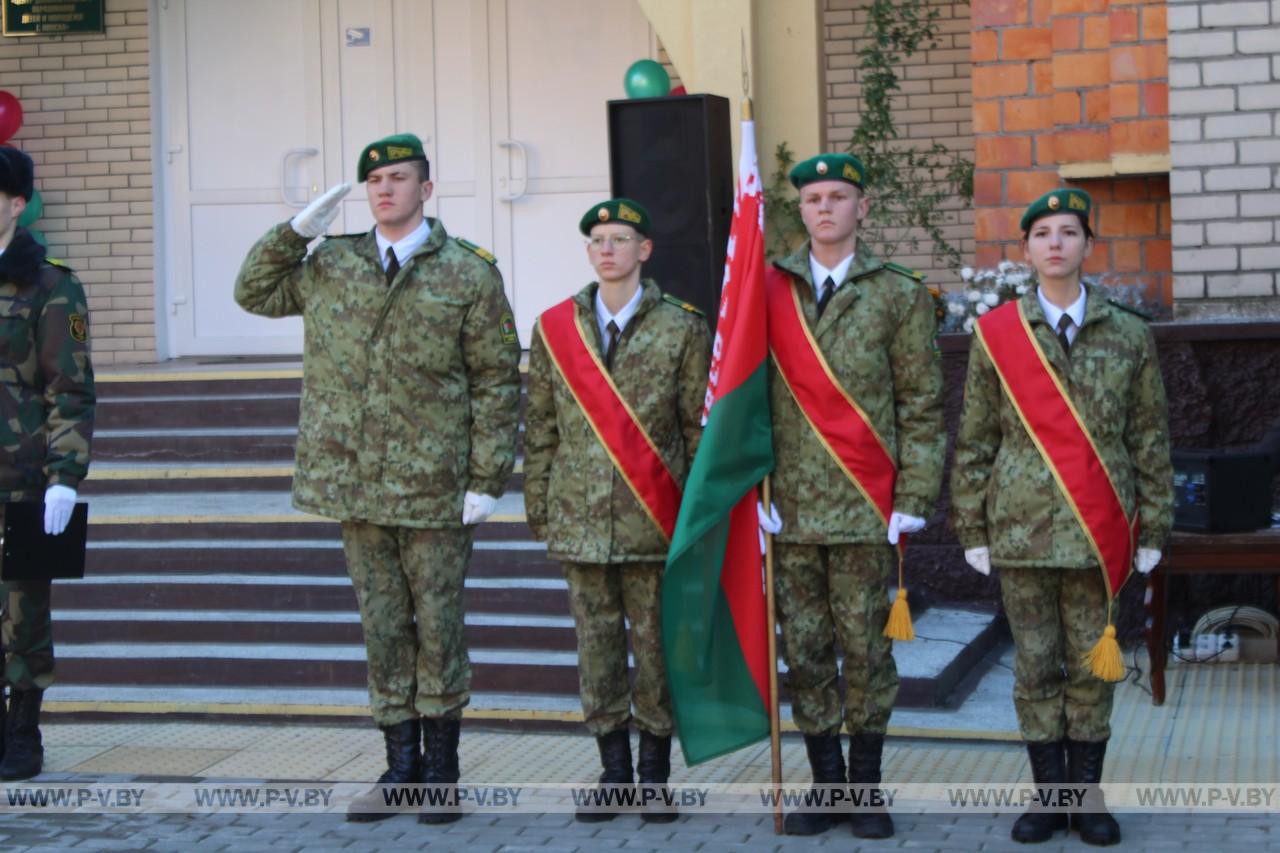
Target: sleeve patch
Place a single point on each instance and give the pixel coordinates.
(78, 328)
(680, 303)
(478, 250)
(507, 326)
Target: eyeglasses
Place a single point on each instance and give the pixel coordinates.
(615, 241)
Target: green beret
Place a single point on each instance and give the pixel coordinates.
(619, 210)
(396, 148)
(829, 167)
(1065, 200)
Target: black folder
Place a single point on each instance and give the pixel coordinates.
(30, 554)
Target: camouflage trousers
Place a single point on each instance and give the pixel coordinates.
(600, 596)
(26, 631)
(409, 585)
(1056, 616)
(830, 593)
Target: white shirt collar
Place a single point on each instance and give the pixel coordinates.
(1075, 311)
(406, 245)
(622, 318)
(820, 272)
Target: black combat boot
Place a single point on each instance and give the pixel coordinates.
(1084, 764)
(404, 766)
(827, 765)
(23, 748)
(440, 768)
(653, 766)
(869, 819)
(615, 757)
(1049, 770)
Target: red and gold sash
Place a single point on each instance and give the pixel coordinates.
(1063, 439)
(619, 430)
(836, 418)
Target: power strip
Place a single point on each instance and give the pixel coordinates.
(1209, 648)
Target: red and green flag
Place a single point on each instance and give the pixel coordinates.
(713, 597)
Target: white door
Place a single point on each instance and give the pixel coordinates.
(555, 65)
(508, 97)
(243, 138)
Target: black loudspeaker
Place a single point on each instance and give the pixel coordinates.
(1221, 491)
(675, 156)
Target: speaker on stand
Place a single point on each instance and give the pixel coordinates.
(674, 155)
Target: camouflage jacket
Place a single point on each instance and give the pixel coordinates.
(576, 500)
(46, 424)
(877, 334)
(1004, 497)
(409, 391)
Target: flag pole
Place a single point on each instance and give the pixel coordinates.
(771, 631)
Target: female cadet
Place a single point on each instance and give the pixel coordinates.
(1061, 469)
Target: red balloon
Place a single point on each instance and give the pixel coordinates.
(678, 90)
(10, 116)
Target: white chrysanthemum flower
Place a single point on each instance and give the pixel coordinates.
(982, 308)
(966, 273)
(956, 308)
(1005, 266)
(991, 299)
(968, 324)
(1022, 289)
(973, 295)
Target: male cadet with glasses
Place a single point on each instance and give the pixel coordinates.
(407, 436)
(856, 394)
(617, 376)
(47, 410)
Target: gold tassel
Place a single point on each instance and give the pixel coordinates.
(899, 626)
(1104, 658)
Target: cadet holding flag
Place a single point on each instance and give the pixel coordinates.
(407, 435)
(617, 375)
(856, 395)
(1061, 473)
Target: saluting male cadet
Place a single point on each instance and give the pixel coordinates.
(407, 435)
(1056, 514)
(47, 411)
(856, 394)
(617, 376)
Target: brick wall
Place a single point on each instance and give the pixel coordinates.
(932, 106)
(87, 106)
(1074, 92)
(1224, 71)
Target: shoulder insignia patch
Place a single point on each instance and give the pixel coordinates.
(680, 303)
(907, 271)
(479, 250)
(78, 327)
(1131, 309)
(507, 328)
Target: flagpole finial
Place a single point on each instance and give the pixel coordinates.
(746, 109)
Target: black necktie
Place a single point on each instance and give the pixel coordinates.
(1064, 323)
(828, 290)
(393, 264)
(609, 350)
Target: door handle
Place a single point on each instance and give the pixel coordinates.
(284, 175)
(524, 181)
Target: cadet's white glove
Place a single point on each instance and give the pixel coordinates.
(902, 523)
(979, 559)
(1147, 559)
(769, 521)
(316, 217)
(58, 503)
(476, 508)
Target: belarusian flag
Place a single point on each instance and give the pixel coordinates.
(713, 598)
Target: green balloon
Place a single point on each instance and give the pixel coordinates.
(34, 210)
(646, 79)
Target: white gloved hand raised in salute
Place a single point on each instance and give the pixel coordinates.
(316, 217)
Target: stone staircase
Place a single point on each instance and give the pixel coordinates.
(207, 593)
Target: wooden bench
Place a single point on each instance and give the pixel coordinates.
(1255, 553)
